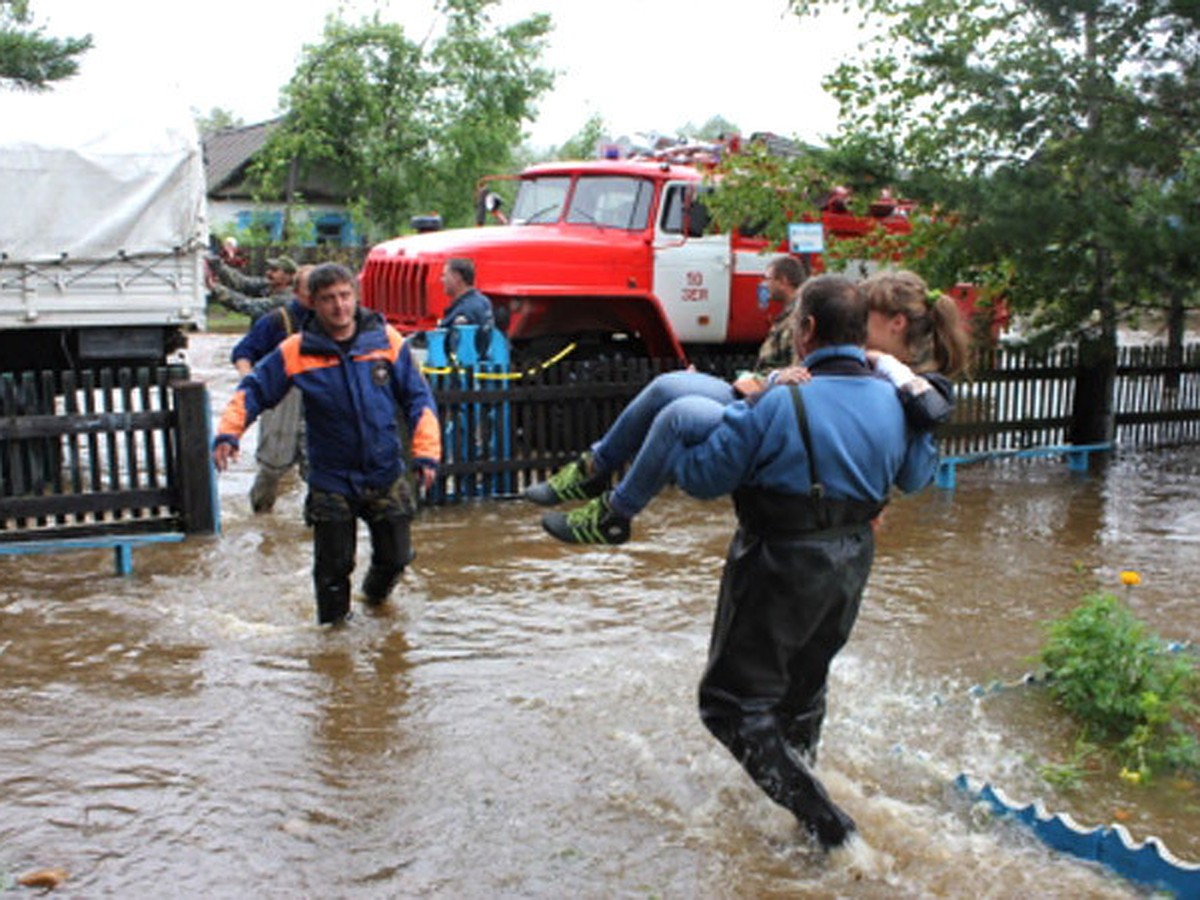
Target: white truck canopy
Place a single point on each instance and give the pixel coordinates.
(93, 172)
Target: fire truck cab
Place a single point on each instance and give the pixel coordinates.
(616, 255)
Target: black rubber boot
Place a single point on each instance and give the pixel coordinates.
(784, 777)
(803, 731)
(333, 603)
(333, 561)
(391, 552)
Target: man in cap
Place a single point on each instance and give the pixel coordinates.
(255, 295)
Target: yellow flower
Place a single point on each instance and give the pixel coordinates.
(1130, 578)
(1131, 777)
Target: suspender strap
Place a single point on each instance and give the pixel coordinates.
(816, 489)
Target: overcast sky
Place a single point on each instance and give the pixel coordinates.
(642, 65)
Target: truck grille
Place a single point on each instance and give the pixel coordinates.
(398, 288)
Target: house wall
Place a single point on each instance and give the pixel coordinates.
(331, 222)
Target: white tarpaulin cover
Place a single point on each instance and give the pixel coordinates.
(90, 171)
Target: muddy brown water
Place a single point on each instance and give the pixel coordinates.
(521, 721)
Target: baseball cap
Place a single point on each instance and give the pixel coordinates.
(283, 263)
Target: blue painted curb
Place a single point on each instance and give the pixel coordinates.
(1149, 862)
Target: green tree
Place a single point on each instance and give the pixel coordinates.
(1048, 132)
(774, 181)
(405, 127)
(216, 119)
(28, 58)
(583, 143)
(715, 127)
(763, 190)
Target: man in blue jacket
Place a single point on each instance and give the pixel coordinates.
(467, 305)
(357, 376)
(809, 467)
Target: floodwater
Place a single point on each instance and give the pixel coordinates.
(520, 722)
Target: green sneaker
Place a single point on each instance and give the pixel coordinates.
(593, 523)
(571, 482)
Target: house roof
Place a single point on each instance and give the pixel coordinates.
(228, 151)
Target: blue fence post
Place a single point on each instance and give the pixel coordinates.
(1079, 455)
(467, 357)
(494, 436)
(123, 559)
(436, 358)
(1077, 460)
(502, 436)
(465, 351)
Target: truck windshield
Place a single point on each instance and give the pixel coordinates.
(540, 200)
(608, 201)
(611, 202)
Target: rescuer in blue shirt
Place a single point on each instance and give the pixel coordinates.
(467, 305)
(809, 467)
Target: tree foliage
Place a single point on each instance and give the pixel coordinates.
(762, 191)
(1056, 135)
(583, 143)
(30, 59)
(409, 127)
(716, 127)
(216, 119)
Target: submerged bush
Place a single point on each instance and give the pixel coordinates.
(1125, 686)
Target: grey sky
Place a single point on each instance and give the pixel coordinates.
(642, 65)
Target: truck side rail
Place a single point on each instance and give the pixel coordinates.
(142, 289)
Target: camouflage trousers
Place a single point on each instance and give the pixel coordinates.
(334, 517)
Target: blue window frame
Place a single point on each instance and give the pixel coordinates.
(270, 222)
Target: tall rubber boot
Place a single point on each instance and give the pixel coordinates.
(803, 731)
(333, 602)
(391, 552)
(333, 560)
(784, 777)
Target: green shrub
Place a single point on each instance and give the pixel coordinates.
(1125, 686)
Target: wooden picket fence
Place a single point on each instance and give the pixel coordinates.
(502, 433)
(103, 458)
(1021, 399)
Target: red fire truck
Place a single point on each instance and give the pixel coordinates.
(616, 255)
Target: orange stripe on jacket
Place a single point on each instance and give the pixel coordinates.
(427, 437)
(295, 362)
(233, 419)
(392, 353)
